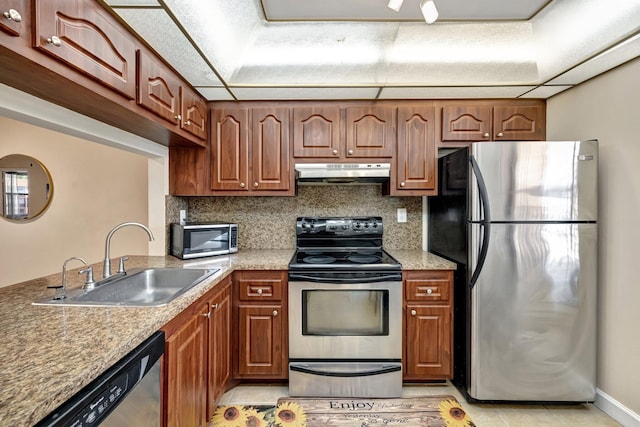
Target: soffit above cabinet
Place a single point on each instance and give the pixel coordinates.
(361, 49)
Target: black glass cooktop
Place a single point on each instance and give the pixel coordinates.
(343, 258)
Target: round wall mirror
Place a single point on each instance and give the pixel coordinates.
(27, 187)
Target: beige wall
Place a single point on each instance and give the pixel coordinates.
(608, 108)
(95, 188)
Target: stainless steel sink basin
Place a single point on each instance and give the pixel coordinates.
(149, 287)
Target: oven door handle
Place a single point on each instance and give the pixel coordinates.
(306, 278)
(378, 370)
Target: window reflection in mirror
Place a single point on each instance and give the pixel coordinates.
(27, 187)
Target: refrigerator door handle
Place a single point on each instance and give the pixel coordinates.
(485, 223)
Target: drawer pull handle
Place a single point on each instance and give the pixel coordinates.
(413, 312)
(259, 291)
(13, 15)
(54, 40)
(429, 291)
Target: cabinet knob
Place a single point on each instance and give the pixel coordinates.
(54, 40)
(429, 291)
(214, 306)
(402, 184)
(255, 184)
(178, 117)
(500, 134)
(13, 15)
(350, 151)
(486, 135)
(413, 312)
(275, 313)
(335, 152)
(242, 185)
(188, 123)
(207, 315)
(259, 291)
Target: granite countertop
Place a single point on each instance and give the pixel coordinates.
(50, 352)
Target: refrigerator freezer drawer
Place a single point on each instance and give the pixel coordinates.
(533, 314)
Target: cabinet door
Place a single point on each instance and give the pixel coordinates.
(428, 342)
(261, 346)
(370, 131)
(230, 149)
(466, 123)
(518, 123)
(416, 155)
(316, 132)
(12, 17)
(158, 88)
(270, 150)
(194, 113)
(186, 367)
(84, 36)
(219, 347)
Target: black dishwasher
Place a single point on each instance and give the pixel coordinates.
(128, 393)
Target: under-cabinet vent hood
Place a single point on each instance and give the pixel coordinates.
(342, 173)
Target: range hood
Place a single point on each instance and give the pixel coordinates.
(342, 173)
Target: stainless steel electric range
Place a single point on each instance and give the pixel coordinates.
(345, 310)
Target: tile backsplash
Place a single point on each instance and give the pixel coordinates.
(269, 222)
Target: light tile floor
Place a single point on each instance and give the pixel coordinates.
(483, 415)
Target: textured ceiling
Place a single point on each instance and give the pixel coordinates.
(304, 49)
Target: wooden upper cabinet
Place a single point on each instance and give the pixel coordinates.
(12, 17)
(416, 150)
(370, 131)
(86, 37)
(519, 123)
(162, 92)
(158, 88)
(466, 123)
(270, 149)
(193, 110)
(316, 132)
(230, 149)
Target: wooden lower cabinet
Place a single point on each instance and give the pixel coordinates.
(197, 358)
(428, 325)
(219, 347)
(186, 366)
(260, 307)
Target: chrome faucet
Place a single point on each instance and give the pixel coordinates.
(106, 267)
(61, 291)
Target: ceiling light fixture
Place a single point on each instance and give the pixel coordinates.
(429, 11)
(395, 5)
(427, 7)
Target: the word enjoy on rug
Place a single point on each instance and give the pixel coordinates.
(428, 411)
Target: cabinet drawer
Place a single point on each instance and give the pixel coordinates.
(427, 290)
(260, 287)
(426, 286)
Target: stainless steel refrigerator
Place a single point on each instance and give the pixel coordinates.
(520, 221)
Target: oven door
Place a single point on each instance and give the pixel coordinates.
(358, 321)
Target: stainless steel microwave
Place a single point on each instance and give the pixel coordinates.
(194, 240)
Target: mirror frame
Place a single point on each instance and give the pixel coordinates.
(33, 163)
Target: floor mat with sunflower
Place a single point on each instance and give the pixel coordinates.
(428, 411)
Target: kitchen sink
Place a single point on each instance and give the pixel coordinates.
(147, 287)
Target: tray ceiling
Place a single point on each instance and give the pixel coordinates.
(361, 49)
